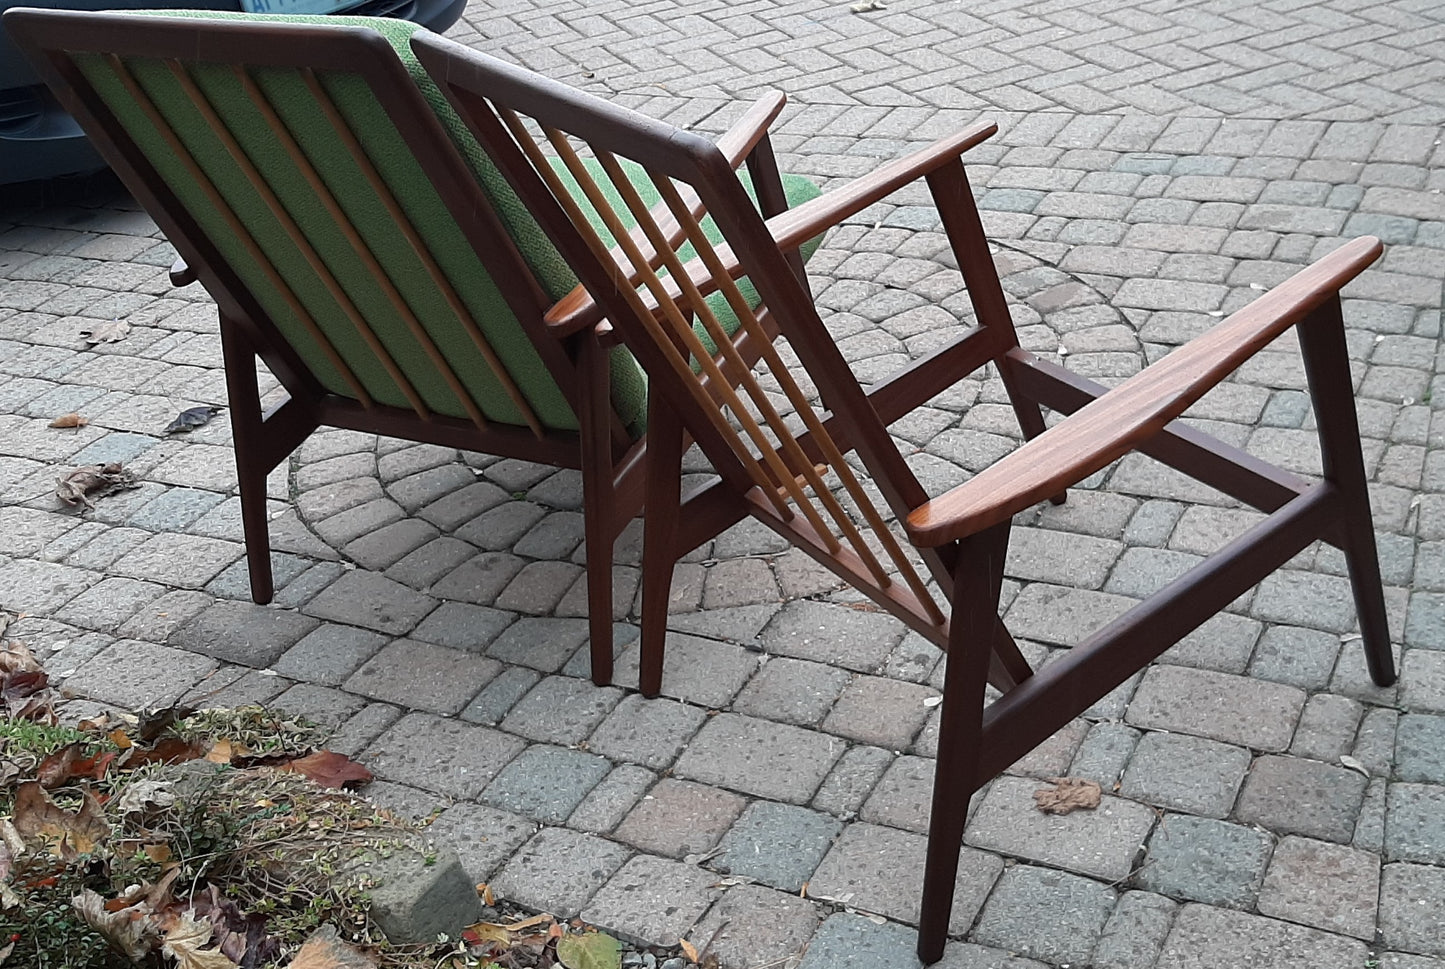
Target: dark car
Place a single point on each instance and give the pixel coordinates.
(39, 140)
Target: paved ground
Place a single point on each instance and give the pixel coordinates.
(1268, 807)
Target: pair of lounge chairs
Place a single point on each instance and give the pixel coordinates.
(426, 242)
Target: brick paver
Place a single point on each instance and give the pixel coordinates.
(1157, 164)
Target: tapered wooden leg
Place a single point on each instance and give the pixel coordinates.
(978, 577)
(251, 468)
(659, 537)
(1327, 365)
(599, 506)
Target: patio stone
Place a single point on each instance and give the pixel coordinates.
(758, 757)
(1204, 860)
(1051, 915)
(1323, 885)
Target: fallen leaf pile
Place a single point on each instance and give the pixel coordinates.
(89, 481)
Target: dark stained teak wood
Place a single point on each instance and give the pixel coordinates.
(568, 334)
(793, 472)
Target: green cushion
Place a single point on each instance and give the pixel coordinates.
(303, 117)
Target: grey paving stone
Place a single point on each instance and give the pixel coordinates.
(1327, 728)
(109, 603)
(696, 670)
(478, 579)
(903, 797)
(387, 545)
(235, 686)
(1412, 916)
(1104, 753)
(853, 940)
(1052, 757)
(1036, 555)
(755, 926)
(880, 870)
(318, 703)
(647, 732)
(759, 757)
(241, 632)
(1300, 657)
(1420, 749)
(880, 712)
(328, 654)
(607, 804)
(561, 710)
(1102, 843)
(1186, 773)
(778, 844)
(451, 758)
(40, 588)
(852, 778)
(430, 563)
(832, 634)
(543, 644)
(1232, 709)
(1422, 680)
(1204, 860)
(363, 728)
(1323, 885)
(1415, 823)
(559, 871)
(1205, 937)
(545, 783)
(373, 601)
(1291, 795)
(187, 561)
(680, 818)
(1223, 643)
(1135, 931)
(1048, 914)
(538, 587)
(499, 528)
(736, 624)
(423, 676)
(497, 697)
(792, 691)
(136, 675)
(653, 900)
(1054, 614)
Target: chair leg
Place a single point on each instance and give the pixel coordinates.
(977, 581)
(599, 505)
(659, 538)
(1327, 366)
(251, 470)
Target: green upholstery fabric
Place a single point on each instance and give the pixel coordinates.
(304, 118)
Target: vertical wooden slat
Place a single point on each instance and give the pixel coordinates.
(298, 238)
(235, 226)
(438, 277)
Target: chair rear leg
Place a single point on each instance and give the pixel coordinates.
(1327, 366)
(599, 502)
(659, 538)
(978, 578)
(251, 468)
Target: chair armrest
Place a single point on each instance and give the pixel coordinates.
(797, 225)
(1115, 423)
(576, 310)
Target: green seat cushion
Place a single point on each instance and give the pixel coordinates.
(306, 121)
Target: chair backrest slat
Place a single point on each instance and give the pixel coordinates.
(656, 300)
(262, 187)
(182, 155)
(434, 272)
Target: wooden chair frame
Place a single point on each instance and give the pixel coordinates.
(961, 536)
(565, 334)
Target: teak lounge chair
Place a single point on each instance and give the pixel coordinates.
(357, 241)
(798, 474)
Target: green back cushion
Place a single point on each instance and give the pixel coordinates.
(307, 123)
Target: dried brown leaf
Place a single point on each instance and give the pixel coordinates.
(129, 930)
(329, 769)
(186, 942)
(77, 487)
(16, 657)
(108, 332)
(70, 763)
(168, 750)
(70, 833)
(325, 950)
(70, 420)
(1068, 794)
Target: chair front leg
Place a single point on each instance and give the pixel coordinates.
(599, 498)
(1327, 367)
(661, 500)
(978, 578)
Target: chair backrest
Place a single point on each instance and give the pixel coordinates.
(322, 188)
(760, 428)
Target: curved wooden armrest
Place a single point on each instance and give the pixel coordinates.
(1117, 422)
(796, 226)
(182, 274)
(576, 309)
